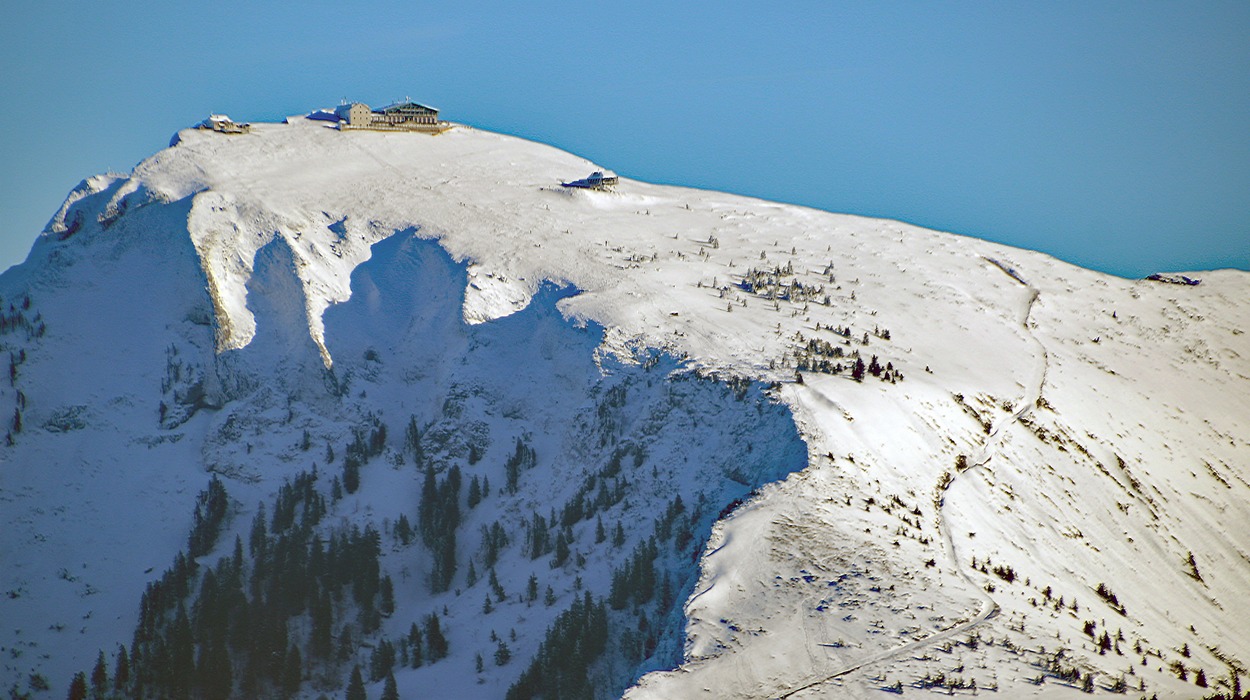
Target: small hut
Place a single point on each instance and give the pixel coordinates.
(223, 125)
(595, 181)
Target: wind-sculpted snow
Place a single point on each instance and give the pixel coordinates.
(1036, 484)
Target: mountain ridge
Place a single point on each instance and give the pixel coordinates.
(1040, 376)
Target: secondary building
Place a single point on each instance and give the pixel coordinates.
(223, 125)
(595, 181)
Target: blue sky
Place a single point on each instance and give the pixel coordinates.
(1112, 135)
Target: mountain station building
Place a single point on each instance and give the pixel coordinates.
(401, 116)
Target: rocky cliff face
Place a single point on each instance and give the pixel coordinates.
(795, 453)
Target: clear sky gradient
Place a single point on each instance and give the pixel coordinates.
(1112, 135)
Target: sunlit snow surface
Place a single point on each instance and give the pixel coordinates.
(1104, 423)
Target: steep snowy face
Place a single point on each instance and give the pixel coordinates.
(1018, 474)
(567, 453)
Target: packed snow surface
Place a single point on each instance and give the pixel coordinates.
(1043, 428)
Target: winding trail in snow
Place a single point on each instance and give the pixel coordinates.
(989, 448)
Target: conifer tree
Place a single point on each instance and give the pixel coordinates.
(322, 613)
(236, 556)
(538, 537)
(429, 493)
(216, 676)
(857, 372)
(497, 587)
(403, 530)
(292, 671)
(356, 686)
(99, 677)
(182, 659)
(414, 646)
(346, 646)
(78, 687)
(382, 660)
(351, 474)
(412, 440)
(256, 541)
(387, 604)
(435, 642)
(121, 670)
(210, 511)
(439, 517)
(523, 457)
(562, 551)
(390, 691)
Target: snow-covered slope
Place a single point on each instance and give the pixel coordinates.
(1045, 431)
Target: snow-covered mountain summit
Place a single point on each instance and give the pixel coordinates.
(797, 454)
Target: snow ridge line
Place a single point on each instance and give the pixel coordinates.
(989, 608)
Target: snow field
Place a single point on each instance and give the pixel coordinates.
(1102, 422)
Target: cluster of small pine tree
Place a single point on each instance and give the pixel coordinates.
(228, 632)
(365, 443)
(414, 650)
(522, 458)
(439, 518)
(479, 489)
(608, 413)
(642, 593)
(1110, 597)
(10, 322)
(560, 670)
(15, 319)
(635, 581)
(494, 540)
(771, 284)
(210, 511)
(538, 540)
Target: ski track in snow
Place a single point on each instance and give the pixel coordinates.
(989, 608)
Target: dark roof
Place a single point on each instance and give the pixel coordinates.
(405, 106)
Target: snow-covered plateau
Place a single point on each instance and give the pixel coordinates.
(289, 402)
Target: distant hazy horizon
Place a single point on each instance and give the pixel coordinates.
(1112, 136)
